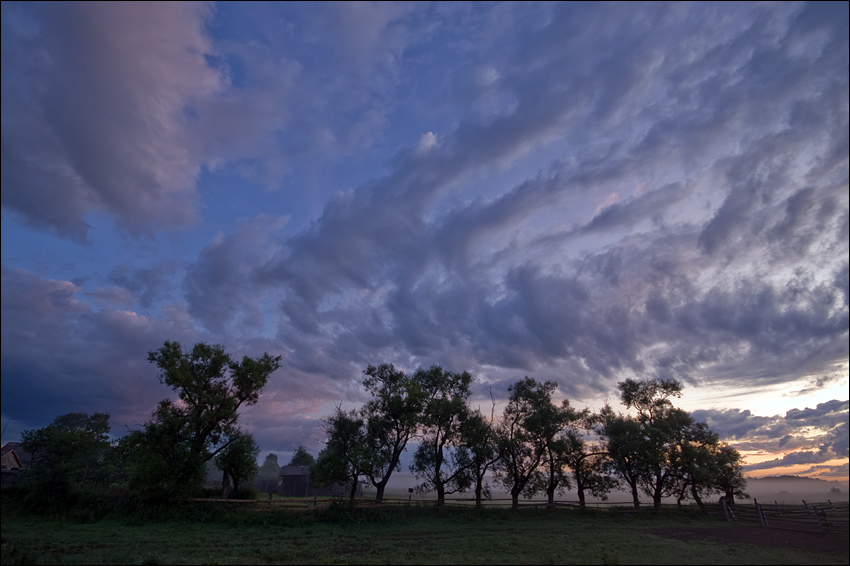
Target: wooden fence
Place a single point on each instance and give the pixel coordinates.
(807, 517)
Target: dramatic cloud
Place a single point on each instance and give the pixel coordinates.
(578, 192)
(96, 101)
(808, 436)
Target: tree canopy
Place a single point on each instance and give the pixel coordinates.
(166, 457)
(67, 455)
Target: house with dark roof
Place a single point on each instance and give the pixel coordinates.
(294, 481)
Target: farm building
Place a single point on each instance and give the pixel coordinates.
(14, 459)
(294, 481)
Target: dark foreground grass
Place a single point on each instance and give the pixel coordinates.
(205, 533)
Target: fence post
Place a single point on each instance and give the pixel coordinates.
(760, 511)
(821, 516)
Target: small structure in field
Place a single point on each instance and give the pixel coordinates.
(294, 481)
(14, 459)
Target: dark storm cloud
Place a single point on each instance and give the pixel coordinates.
(96, 360)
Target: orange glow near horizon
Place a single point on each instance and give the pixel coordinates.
(794, 469)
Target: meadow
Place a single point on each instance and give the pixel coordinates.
(225, 533)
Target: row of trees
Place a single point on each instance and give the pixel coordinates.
(535, 446)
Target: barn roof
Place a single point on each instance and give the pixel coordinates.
(294, 471)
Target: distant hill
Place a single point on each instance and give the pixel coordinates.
(791, 488)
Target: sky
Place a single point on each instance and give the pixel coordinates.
(575, 192)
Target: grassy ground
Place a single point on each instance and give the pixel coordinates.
(210, 533)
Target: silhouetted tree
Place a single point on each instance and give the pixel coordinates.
(588, 461)
(167, 457)
(392, 419)
(552, 427)
(729, 478)
(440, 459)
(481, 446)
(663, 450)
(627, 448)
(521, 448)
(347, 454)
(302, 458)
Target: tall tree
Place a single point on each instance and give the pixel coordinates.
(552, 427)
(440, 459)
(169, 454)
(481, 448)
(588, 461)
(211, 387)
(519, 438)
(392, 419)
(347, 454)
(626, 447)
(729, 477)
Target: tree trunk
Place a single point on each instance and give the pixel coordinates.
(635, 498)
(353, 490)
(656, 494)
(697, 498)
(656, 500)
(379, 491)
(581, 503)
(441, 495)
(515, 499)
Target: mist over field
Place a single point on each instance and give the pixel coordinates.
(790, 490)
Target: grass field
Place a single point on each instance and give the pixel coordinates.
(212, 533)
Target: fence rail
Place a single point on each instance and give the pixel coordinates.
(365, 502)
(807, 517)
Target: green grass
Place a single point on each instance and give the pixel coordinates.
(220, 534)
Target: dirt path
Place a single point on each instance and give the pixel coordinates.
(775, 537)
